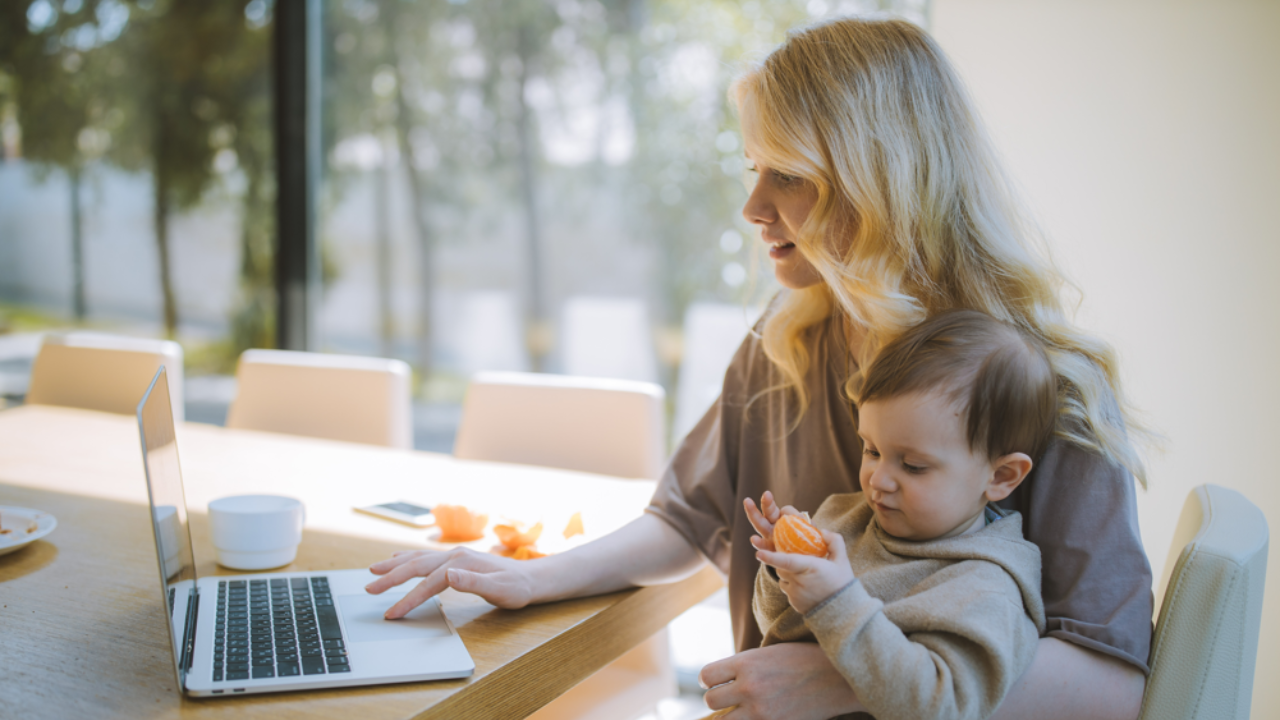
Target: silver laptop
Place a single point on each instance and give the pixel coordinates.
(272, 632)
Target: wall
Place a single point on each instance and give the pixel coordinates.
(1146, 136)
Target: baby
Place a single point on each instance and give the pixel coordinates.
(928, 599)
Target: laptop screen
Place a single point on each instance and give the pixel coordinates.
(168, 517)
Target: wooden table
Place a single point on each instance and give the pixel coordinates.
(79, 628)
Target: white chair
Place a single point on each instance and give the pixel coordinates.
(600, 425)
(488, 335)
(1210, 600)
(607, 337)
(712, 333)
(103, 372)
(612, 427)
(336, 397)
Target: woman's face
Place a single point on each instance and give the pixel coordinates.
(779, 204)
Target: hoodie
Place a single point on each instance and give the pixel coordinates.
(928, 629)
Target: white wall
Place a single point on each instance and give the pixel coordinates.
(1146, 135)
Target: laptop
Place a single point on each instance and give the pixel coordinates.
(273, 632)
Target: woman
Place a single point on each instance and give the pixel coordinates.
(882, 202)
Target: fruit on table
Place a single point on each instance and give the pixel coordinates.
(574, 527)
(524, 552)
(457, 523)
(514, 536)
(795, 534)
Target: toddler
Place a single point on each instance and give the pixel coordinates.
(928, 599)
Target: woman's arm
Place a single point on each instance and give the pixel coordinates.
(797, 681)
(646, 551)
(1068, 681)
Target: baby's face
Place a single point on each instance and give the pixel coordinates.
(918, 471)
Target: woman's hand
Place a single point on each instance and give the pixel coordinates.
(500, 581)
(808, 580)
(645, 551)
(791, 680)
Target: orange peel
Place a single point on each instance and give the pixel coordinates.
(524, 552)
(457, 523)
(574, 527)
(514, 536)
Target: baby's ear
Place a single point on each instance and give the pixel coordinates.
(1008, 472)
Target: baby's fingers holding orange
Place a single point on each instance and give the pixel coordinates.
(836, 550)
(769, 507)
(758, 521)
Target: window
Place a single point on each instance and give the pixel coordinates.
(508, 184)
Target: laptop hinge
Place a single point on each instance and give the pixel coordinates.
(189, 634)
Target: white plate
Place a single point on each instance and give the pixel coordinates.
(25, 526)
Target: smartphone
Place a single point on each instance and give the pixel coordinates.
(401, 512)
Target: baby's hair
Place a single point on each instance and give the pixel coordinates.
(995, 373)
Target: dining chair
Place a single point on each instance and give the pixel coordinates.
(335, 397)
(712, 334)
(97, 371)
(607, 337)
(611, 427)
(1210, 600)
(597, 425)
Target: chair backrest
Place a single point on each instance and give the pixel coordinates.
(488, 334)
(103, 372)
(1210, 600)
(712, 333)
(336, 397)
(612, 427)
(607, 337)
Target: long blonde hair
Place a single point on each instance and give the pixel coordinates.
(913, 215)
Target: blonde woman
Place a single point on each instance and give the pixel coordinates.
(882, 203)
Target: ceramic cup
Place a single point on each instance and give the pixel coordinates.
(256, 532)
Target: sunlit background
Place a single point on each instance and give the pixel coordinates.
(555, 186)
(538, 185)
(547, 186)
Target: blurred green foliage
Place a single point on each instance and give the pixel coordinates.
(462, 92)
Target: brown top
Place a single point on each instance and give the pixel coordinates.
(1077, 507)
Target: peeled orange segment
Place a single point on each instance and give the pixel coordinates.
(795, 534)
(515, 536)
(524, 552)
(527, 552)
(574, 527)
(459, 524)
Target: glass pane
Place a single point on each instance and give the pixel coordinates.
(136, 188)
(527, 185)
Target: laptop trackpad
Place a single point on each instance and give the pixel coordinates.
(362, 615)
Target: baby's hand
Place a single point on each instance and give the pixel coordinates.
(763, 519)
(808, 580)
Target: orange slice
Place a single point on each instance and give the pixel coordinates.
(795, 534)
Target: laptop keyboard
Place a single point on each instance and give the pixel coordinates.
(277, 628)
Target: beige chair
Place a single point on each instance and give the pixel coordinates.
(103, 372)
(1210, 600)
(336, 397)
(599, 425)
(612, 427)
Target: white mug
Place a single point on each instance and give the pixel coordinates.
(256, 532)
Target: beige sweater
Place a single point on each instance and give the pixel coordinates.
(935, 629)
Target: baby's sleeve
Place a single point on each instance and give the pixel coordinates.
(777, 620)
(948, 653)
